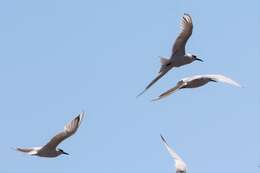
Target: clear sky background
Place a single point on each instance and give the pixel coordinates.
(60, 57)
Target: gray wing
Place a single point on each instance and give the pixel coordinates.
(222, 78)
(179, 85)
(69, 130)
(186, 31)
(159, 76)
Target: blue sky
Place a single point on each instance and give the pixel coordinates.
(61, 57)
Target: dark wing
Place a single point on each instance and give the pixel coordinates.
(69, 130)
(179, 85)
(186, 31)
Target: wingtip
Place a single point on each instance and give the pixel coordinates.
(81, 115)
(236, 84)
(141, 93)
(162, 137)
(155, 99)
(18, 149)
(239, 86)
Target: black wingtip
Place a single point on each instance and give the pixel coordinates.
(162, 138)
(80, 117)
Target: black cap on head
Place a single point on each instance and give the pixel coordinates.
(195, 57)
(63, 152)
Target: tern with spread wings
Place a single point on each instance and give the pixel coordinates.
(178, 57)
(180, 165)
(50, 150)
(197, 81)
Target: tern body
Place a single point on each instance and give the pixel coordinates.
(41, 152)
(197, 81)
(50, 149)
(178, 57)
(180, 165)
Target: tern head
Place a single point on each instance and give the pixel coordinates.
(194, 57)
(62, 152)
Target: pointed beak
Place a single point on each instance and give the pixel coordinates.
(199, 59)
(65, 153)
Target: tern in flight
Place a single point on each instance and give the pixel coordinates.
(178, 57)
(49, 150)
(197, 81)
(180, 165)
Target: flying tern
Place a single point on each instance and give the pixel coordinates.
(180, 165)
(178, 57)
(197, 81)
(50, 150)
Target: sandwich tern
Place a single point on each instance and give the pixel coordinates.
(197, 81)
(180, 165)
(178, 57)
(50, 150)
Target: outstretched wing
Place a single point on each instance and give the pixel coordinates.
(179, 85)
(30, 151)
(25, 150)
(173, 154)
(159, 76)
(222, 78)
(180, 164)
(186, 31)
(69, 130)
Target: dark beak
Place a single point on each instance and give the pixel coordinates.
(199, 59)
(65, 153)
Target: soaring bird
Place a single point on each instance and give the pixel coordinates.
(180, 165)
(178, 57)
(50, 150)
(197, 81)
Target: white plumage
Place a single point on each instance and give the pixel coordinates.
(180, 165)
